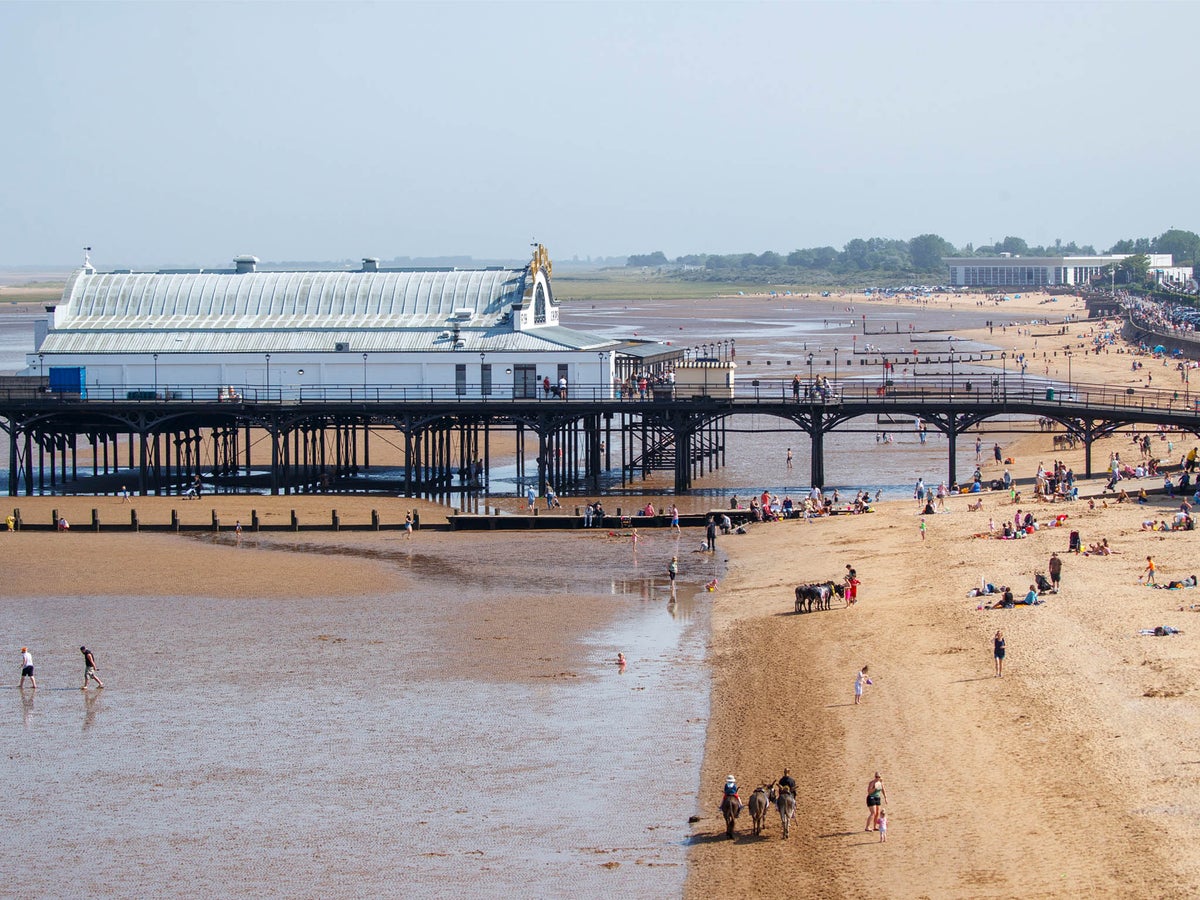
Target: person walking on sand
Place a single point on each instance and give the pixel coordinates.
(675, 520)
(922, 529)
(876, 797)
(852, 584)
(859, 680)
(998, 653)
(882, 825)
(672, 571)
(408, 526)
(1149, 574)
(237, 530)
(89, 669)
(1054, 567)
(710, 535)
(27, 668)
(125, 494)
(789, 457)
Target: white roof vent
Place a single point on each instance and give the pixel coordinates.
(464, 313)
(245, 263)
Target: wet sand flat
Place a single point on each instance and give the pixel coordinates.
(382, 718)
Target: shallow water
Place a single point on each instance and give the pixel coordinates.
(467, 728)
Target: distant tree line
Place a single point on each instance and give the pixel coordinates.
(918, 256)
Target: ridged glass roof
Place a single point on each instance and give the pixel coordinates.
(290, 299)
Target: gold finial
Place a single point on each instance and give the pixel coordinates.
(541, 260)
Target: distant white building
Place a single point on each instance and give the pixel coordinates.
(319, 334)
(1045, 271)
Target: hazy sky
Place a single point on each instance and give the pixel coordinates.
(186, 133)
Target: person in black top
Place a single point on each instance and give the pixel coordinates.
(788, 782)
(710, 534)
(998, 652)
(89, 669)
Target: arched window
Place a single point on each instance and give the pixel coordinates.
(539, 305)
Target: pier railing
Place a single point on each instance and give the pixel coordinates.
(972, 389)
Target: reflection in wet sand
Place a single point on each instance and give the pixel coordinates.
(27, 705)
(91, 706)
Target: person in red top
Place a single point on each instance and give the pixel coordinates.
(852, 584)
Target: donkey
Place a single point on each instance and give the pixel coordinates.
(785, 802)
(817, 596)
(730, 809)
(759, 803)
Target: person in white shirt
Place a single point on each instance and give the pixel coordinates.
(27, 667)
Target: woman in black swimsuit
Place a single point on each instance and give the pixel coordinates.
(998, 652)
(875, 797)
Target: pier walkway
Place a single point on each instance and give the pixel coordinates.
(174, 437)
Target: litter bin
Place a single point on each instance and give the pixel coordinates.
(1049, 393)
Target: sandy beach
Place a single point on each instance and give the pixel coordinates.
(1071, 775)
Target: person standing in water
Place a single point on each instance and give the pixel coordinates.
(89, 669)
(27, 668)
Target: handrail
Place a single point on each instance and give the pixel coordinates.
(970, 389)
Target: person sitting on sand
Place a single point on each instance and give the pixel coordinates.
(1032, 597)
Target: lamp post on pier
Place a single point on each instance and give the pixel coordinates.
(810, 375)
(155, 355)
(268, 376)
(835, 364)
(364, 376)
